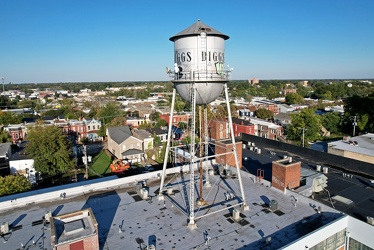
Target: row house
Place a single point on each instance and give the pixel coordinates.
(242, 127)
(266, 129)
(77, 128)
(135, 122)
(247, 112)
(160, 133)
(92, 128)
(177, 118)
(218, 129)
(17, 132)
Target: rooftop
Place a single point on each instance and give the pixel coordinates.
(363, 144)
(126, 220)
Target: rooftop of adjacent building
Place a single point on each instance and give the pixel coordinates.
(363, 144)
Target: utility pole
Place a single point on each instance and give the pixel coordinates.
(354, 124)
(303, 135)
(85, 161)
(3, 78)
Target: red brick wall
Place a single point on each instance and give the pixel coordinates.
(285, 175)
(216, 129)
(228, 158)
(238, 129)
(89, 243)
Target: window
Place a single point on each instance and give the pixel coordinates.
(131, 146)
(138, 145)
(89, 127)
(333, 242)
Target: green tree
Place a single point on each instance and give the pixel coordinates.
(182, 125)
(12, 184)
(293, 98)
(161, 123)
(305, 121)
(7, 117)
(108, 112)
(331, 121)
(264, 114)
(4, 136)
(50, 149)
(154, 116)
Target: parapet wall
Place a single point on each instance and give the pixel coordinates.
(322, 158)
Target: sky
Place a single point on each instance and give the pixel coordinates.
(44, 41)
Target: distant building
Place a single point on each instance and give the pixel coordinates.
(217, 129)
(5, 153)
(253, 81)
(242, 126)
(266, 129)
(360, 148)
(177, 118)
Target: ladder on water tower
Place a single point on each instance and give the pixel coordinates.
(203, 48)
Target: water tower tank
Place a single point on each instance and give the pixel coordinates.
(199, 58)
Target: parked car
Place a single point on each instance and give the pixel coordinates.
(149, 168)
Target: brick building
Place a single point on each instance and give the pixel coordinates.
(242, 126)
(217, 129)
(176, 118)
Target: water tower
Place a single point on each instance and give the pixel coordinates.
(199, 76)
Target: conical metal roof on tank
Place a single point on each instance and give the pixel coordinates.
(196, 29)
(199, 63)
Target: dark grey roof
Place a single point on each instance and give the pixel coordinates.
(132, 152)
(157, 131)
(4, 147)
(241, 121)
(142, 134)
(119, 134)
(196, 29)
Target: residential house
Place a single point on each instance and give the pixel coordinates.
(285, 108)
(123, 145)
(135, 122)
(242, 126)
(17, 132)
(145, 136)
(247, 112)
(92, 128)
(5, 153)
(78, 129)
(177, 118)
(282, 119)
(266, 129)
(217, 129)
(160, 133)
(63, 124)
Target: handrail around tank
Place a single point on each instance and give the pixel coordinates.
(200, 75)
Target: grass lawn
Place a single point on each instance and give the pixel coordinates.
(100, 164)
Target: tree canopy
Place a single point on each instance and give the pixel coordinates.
(293, 98)
(305, 121)
(50, 149)
(12, 184)
(264, 114)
